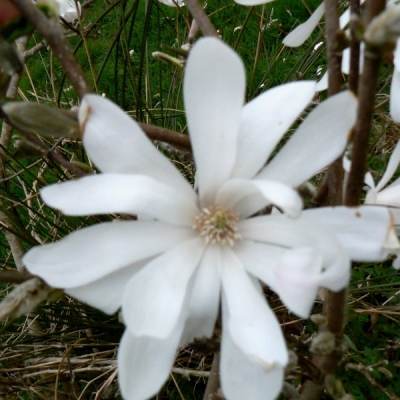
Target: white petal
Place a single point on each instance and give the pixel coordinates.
(172, 3)
(204, 297)
(92, 253)
(106, 293)
(251, 323)
(154, 297)
(118, 193)
(214, 88)
(345, 17)
(144, 363)
(276, 193)
(245, 378)
(294, 233)
(396, 262)
(391, 168)
(362, 231)
(323, 82)
(252, 2)
(298, 279)
(346, 61)
(299, 35)
(395, 96)
(389, 196)
(265, 120)
(116, 144)
(292, 274)
(250, 204)
(319, 140)
(260, 259)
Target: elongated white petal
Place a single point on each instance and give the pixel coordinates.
(323, 82)
(389, 196)
(130, 194)
(252, 2)
(299, 35)
(260, 259)
(144, 363)
(298, 279)
(320, 139)
(243, 377)
(250, 204)
(204, 297)
(154, 297)
(362, 231)
(395, 96)
(116, 144)
(214, 93)
(265, 120)
(251, 323)
(106, 293)
(276, 193)
(292, 273)
(91, 253)
(296, 233)
(172, 3)
(390, 169)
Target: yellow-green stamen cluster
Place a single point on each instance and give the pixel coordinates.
(218, 226)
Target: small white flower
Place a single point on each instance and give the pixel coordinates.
(173, 3)
(69, 10)
(195, 249)
(298, 36)
(387, 195)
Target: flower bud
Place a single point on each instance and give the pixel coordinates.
(41, 119)
(318, 319)
(384, 29)
(323, 344)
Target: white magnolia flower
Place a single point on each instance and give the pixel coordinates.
(299, 35)
(173, 3)
(387, 195)
(197, 248)
(69, 10)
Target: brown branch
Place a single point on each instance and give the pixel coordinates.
(334, 38)
(166, 135)
(354, 47)
(333, 46)
(201, 18)
(51, 31)
(335, 303)
(367, 91)
(213, 384)
(15, 276)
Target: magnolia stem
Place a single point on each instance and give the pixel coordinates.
(366, 93)
(333, 181)
(334, 52)
(213, 383)
(354, 47)
(52, 32)
(201, 18)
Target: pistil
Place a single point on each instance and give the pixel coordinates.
(217, 225)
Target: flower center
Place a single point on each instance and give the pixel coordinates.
(218, 226)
